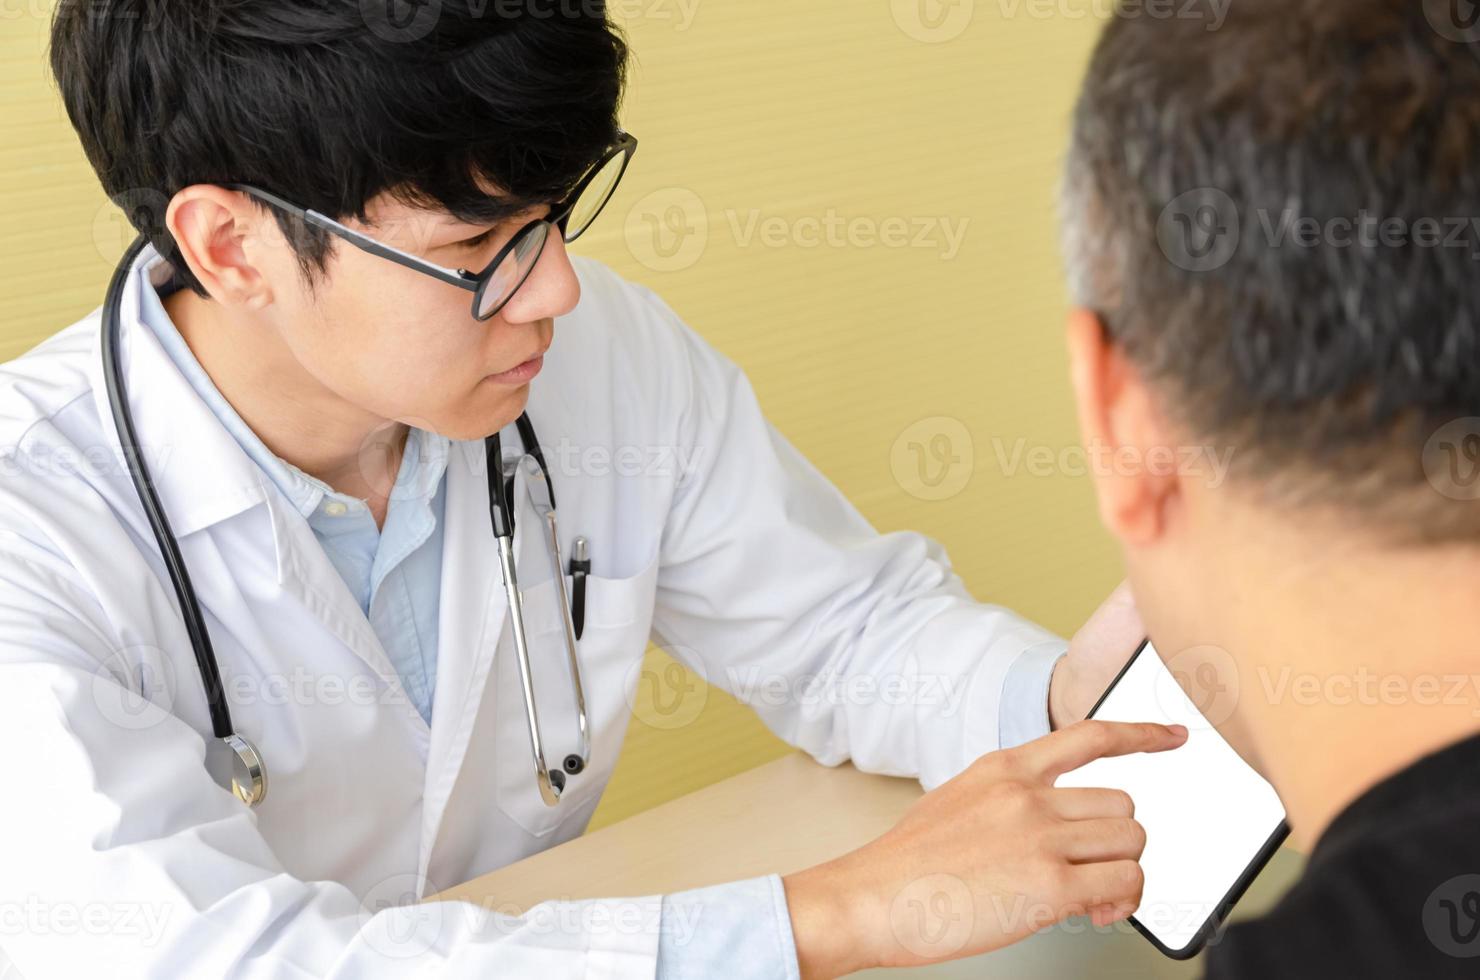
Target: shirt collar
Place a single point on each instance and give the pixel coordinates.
(422, 466)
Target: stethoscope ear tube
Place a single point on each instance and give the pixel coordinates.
(498, 494)
(200, 638)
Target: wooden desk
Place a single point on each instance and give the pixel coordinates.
(794, 813)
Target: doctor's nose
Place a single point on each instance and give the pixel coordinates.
(552, 289)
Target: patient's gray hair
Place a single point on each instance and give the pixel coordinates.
(1333, 370)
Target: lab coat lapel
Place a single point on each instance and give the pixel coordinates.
(470, 618)
(203, 477)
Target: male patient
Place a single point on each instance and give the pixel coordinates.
(1271, 229)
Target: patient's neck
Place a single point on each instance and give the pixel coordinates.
(1356, 660)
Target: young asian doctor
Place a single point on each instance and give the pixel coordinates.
(308, 382)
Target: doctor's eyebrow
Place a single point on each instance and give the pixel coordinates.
(465, 227)
(470, 230)
(475, 213)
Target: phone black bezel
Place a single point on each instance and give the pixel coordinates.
(1240, 885)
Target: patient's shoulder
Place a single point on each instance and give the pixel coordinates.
(1399, 900)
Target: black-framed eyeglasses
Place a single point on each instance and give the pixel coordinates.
(500, 279)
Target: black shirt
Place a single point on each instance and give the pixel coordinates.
(1391, 890)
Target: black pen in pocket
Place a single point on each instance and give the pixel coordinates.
(580, 567)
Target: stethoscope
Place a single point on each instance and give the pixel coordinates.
(233, 761)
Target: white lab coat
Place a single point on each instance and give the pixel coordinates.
(120, 856)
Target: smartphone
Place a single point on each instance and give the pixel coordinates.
(1211, 821)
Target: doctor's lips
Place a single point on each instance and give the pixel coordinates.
(523, 373)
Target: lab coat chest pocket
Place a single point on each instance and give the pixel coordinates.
(619, 614)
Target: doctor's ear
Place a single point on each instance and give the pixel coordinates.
(1132, 456)
(227, 241)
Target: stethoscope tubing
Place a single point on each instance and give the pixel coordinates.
(248, 773)
(195, 626)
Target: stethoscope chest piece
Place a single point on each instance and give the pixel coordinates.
(234, 764)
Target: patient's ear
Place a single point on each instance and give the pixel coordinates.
(1132, 458)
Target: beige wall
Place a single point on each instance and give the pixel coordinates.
(771, 117)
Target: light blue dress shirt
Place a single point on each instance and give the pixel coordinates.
(738, 929)
(395, 572)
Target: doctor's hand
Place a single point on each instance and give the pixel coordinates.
(1096, 655)
(982, 861)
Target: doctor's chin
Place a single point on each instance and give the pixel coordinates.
(763, 491)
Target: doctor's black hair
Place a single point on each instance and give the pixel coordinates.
(1274, 205)
(329, 103)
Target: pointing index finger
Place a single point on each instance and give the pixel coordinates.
(1085, 741)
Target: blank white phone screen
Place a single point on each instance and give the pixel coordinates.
(1207, 813)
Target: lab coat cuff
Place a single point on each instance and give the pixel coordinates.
(980, 731)
(741, 929)
(1024, 715)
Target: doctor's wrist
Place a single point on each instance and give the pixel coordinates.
(1065, 698)
(827, 922)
